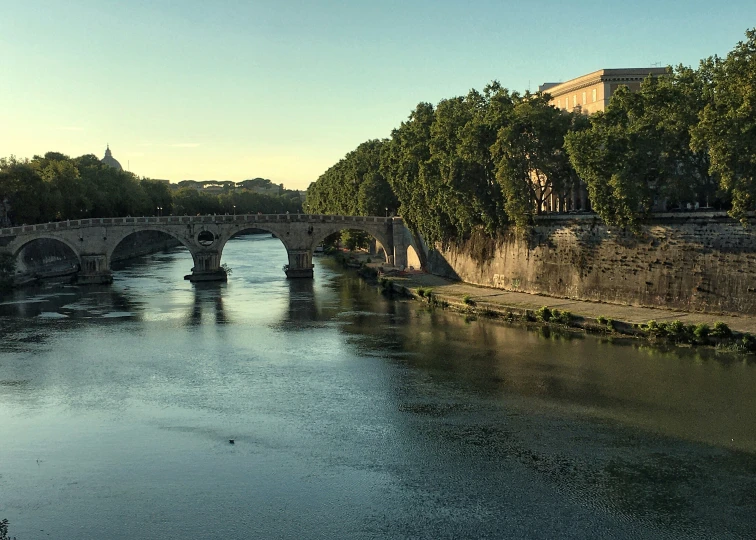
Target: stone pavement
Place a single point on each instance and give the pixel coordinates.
(455, 291)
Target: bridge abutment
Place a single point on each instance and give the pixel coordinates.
(95, 270)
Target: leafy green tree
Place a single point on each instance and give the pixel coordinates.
(402, 163)
(727, 127)
(190, 202)
(637, 154)
(354, 239)
(440, 166)
(354, 186)
(666, 111)
(7, 270)
(67, 195)
(531, 162)
(615, 164)
(159, 195)
(28, 195)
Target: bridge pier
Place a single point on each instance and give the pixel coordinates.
(300, 264)
(207, 267)
(95, 270)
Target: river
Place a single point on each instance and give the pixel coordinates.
(352, 416)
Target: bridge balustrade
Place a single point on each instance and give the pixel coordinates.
(57, 225)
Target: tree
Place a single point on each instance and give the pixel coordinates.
(439, 165)
(27, 194)
(530, 161)
(7, 271)
(67, 195)
(354, 186)
(159, 195)
(4, 530)
(637, 154)
(727, 127)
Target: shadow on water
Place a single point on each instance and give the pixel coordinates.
(208, 303)
(58, 301)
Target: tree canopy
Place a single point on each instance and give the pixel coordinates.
(56, 187)
(491, 159)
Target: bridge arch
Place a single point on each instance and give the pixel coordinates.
(273, 228)
(381, 237)
(26, 241)
(116, 241)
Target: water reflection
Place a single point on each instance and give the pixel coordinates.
(302, 306)
(208, 304)
(54, 301)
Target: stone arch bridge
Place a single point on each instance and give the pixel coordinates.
(93, 241)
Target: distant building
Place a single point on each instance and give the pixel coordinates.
(110, 161)
(591, 93)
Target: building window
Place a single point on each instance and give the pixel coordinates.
(584, 99)
(574, 100)
(594, 95)
(559, 104)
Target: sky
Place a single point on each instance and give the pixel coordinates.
(283, 89)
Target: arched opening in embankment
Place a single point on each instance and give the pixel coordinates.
(413, 259)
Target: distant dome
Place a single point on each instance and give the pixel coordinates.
(110, 161)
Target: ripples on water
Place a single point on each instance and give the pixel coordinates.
(352, 416)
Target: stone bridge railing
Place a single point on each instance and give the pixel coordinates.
(178, 220)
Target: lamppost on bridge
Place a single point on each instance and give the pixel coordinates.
(160, 211)
(234, 210)
(387, 211)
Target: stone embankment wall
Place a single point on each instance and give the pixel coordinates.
(692, 262)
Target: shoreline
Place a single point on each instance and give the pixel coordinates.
(674, 327)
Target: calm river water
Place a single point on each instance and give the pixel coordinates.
(352, 416)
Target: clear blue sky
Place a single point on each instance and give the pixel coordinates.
(284, 88)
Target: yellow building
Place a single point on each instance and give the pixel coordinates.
(592, 92)
(589, 94)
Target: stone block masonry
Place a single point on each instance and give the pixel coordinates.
(693, 262)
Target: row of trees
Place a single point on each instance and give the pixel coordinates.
(189, 201)
(689, 136)
(488, 159)
(56, 187)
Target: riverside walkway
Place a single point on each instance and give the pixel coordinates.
(501, 300)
